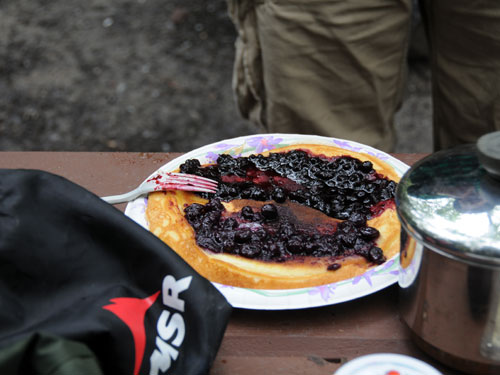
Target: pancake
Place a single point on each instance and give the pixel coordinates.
(166, 217)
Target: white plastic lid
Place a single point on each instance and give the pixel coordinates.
(386, 364)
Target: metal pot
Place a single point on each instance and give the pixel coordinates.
(449, 208)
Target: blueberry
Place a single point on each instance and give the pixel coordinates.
(190, 166)
(193, 211)
(310, 247)
(242, 235)
(230, 224)
(369, 188)
(361, 247)
(209, 243)
(358, 219)
(279, 195)
(376, 255)
(250, 250)
(298, 196)
(258, 194)
(214, 205)
(316, 187)
(247, 213)
(385, 194)
(246, 193)
(369, 233)
(259, 161)
(232, 191)
(295, 244)
(228, 245)
(343, 215)
(391, 186)
(286, 230)
(366, 166)
(226, 164)
(333, 267)
(243, 163)
(269, 211)
(348, 240)
(210, 220)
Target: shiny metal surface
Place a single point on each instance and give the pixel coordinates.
(452, 308)
(488, 147)
(449, 207)
(452, 205)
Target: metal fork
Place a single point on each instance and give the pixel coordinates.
(166, 181)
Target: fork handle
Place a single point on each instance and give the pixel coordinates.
(122, 198)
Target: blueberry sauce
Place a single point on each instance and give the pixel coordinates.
(343, 188)
(271, 232)
(340, 187)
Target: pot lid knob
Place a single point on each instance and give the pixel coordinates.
(488, 150)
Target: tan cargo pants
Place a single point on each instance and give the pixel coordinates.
(337, 67)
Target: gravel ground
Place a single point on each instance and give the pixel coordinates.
(135, 75)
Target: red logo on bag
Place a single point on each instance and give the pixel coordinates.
(170, 327)
(132, 312)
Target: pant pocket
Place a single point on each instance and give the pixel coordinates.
(247, 79)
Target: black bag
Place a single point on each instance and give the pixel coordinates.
(84, 289)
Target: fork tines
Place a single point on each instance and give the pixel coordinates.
(189, 182)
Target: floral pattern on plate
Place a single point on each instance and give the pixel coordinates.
(370, 282)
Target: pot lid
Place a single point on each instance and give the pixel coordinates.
(450, 201)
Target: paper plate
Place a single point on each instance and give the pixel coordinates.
(370, 282)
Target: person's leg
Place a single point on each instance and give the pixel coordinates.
(248, 85)
(465, 57)
(332, 68)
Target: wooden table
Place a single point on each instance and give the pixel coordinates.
(309, 341)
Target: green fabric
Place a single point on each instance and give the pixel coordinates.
(465, 60)
(337, 68)
(331, 68)
(42, 354)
